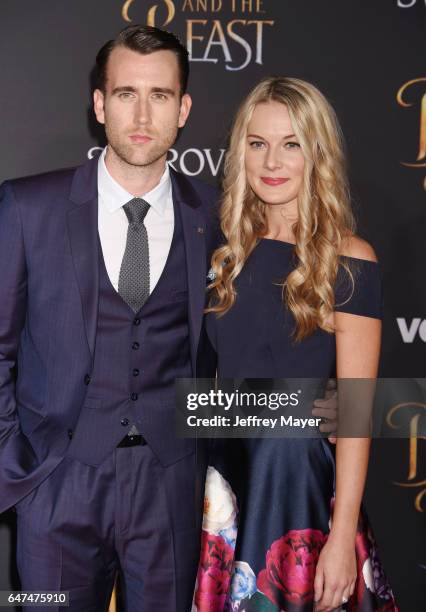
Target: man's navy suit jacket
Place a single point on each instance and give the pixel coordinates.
(49, 273)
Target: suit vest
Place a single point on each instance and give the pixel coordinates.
(136, 360)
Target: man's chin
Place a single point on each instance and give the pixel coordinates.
(139, 160)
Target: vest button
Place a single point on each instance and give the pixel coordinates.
(137, 321)
(134, 396)
(124, 422)
(87, 379)
(135, 346)
(136, 372)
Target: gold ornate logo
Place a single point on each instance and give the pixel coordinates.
(235, 42)
(152, 13)
(400, 97)
(413, 448)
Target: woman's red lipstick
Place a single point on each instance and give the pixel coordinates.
(273, 182)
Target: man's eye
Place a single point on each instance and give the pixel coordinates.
(256, 144)
(159, 96)
(125, 95)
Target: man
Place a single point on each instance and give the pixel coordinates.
(103, 273)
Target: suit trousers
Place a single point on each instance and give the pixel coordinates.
(84, 524)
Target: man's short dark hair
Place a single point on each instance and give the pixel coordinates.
(145, 40)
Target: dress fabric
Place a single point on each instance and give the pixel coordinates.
(269, 502)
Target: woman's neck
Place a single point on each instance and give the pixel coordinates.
(281, 220)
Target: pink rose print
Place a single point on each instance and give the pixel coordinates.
(214, 573)
(290, 567)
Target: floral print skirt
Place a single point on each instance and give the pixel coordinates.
(268, 512)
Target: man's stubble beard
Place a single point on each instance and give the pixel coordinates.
(131, 156)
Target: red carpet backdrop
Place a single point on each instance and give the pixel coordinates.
(369, 59)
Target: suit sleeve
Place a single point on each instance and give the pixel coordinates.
(21, 469)
(13, 299)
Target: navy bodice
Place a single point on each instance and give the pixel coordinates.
(254, 338)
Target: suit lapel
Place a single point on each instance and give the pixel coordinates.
(83, 237)
(194, 232)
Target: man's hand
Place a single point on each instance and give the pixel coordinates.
(327, 408)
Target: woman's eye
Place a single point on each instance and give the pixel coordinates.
(292, 145)
(256, 144)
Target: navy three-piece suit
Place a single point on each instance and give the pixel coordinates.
(77, 368)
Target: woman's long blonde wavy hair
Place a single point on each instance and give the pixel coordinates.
(324, 212)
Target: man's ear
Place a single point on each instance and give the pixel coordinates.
(98, 105)
(185, 107)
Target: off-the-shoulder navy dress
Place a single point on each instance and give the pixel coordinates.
(269, 501)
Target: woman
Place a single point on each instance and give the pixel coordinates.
(295, 293)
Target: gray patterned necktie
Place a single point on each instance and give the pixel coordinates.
(133, 282)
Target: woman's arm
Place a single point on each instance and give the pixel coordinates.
(357, 356)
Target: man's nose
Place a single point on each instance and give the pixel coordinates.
(142, 111)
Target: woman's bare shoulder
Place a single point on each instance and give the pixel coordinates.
(354, 246)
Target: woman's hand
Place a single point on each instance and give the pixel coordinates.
(335, 575)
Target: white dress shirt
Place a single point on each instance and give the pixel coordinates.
(113, 223)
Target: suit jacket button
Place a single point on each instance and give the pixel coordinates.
(70, 433)
(87, 379)
(124, 422)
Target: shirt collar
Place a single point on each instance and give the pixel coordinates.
(115, 196)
